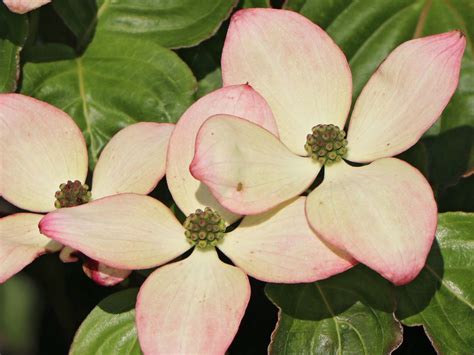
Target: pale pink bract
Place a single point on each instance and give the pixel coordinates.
(42, 147)
(195, 304)
(384, 213)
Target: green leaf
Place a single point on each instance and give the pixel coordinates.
(79, 16)
(118, 81)
(209, 83)
(367, 31)
(206, 57)
(204, 60)
(109, 328)
(173, 24)
(441, 298)
(20, 303)
(349, 313)
(255, 3)
(13, 33)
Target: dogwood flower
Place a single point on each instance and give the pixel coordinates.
(44, 166)
(195, 304)
(24, 6)
(382, 213)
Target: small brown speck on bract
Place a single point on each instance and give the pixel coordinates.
(240, 186)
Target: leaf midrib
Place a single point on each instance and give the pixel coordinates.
(440, 279)
(333, 316)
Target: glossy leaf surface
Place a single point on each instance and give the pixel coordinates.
(118, 81)
(110, 327)
(347, 313)
(173, 24)
(441, 298)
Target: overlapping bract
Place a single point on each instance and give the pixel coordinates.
(199, 292)
(377, 212)
(42, 148)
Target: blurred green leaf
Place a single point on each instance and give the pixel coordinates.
(349, 313)
(118, 81)
(367, 31)
(13, 33)
(173, 24)
(79, 16)
(19, 310)
(205, 61)
(109, 328)
(441, 298)
(206, 57)
(255, 3)
(210, 82)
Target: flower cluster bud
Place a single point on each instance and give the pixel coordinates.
(326, 144)
(72, 194)
(204, 228)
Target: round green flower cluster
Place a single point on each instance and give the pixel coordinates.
(326, 144)
(72, 194)
(204, 228)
